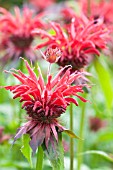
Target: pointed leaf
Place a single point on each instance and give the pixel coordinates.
(71, 134)
(26, 150)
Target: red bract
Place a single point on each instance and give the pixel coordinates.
(78, 42)
(17, 32)
(44, 102)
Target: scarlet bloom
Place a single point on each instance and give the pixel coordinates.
(79, 42)
(16, 31)
(44, 102)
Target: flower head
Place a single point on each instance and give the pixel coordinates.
(79, 42)
(100, 9)
(44, 102)
(16, 30)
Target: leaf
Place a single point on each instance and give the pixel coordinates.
(105, 81)
(108, 157)
(55, 153)
(26, 150)
(71, 134)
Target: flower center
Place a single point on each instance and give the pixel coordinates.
(75, 62)
(42, 116)
(21, 42)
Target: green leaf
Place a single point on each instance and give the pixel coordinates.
(108, 157)
(56, 154)
(26, 150)
(105, 81)
(71, 134)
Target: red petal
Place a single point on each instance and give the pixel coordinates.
(81, 98)
(71, 100)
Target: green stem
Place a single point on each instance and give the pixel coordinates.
(81, 134)
(71, 139)
(40, 155)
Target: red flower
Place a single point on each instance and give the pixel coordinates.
(17, 32)
(79, 42)
(44, 102)
(100, 9)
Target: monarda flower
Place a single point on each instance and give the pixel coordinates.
(79, 42)
(101, 9)
(44, 103)
(16, 31)
(98, 9)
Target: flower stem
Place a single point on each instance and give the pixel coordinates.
(40, 155)
(81, 134)
(71, 139)
(49, 69)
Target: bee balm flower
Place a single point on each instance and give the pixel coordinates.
(44, 102)
(16, 30)
(80, 41)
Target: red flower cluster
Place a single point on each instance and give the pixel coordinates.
(81, 40)
(44, 102)
(16, 31)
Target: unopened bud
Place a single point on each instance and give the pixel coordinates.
(53, 54)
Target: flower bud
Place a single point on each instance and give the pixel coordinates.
(53, 54)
